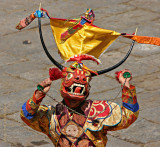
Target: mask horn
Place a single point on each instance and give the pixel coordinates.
(119, 63)
(61, 67)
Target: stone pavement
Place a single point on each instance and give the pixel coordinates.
(23, 65)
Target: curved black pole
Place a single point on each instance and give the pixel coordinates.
(45, 48)
(118, 64)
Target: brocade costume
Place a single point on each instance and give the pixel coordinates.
(69, 129)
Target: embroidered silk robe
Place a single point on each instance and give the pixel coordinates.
(87, 128)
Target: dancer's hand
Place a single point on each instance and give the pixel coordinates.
(121, 79)
(46, 84)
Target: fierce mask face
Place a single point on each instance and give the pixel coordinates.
(75, 84)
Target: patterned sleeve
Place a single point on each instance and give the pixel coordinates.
(35, 115)
(130, 109)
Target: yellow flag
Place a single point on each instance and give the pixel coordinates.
(88, 39)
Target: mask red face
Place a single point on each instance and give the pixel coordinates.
(75, 86)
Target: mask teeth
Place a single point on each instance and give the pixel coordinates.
(77, 85)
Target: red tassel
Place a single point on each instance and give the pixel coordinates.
(55, 74)
(117, 75)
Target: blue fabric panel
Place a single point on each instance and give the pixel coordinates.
(83, 21)
(132, 107)
(26, 113)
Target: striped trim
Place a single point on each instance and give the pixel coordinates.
(26, 113)
(132, 107)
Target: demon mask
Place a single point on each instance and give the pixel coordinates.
(75, 85)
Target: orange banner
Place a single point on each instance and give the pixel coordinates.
(144, 39)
